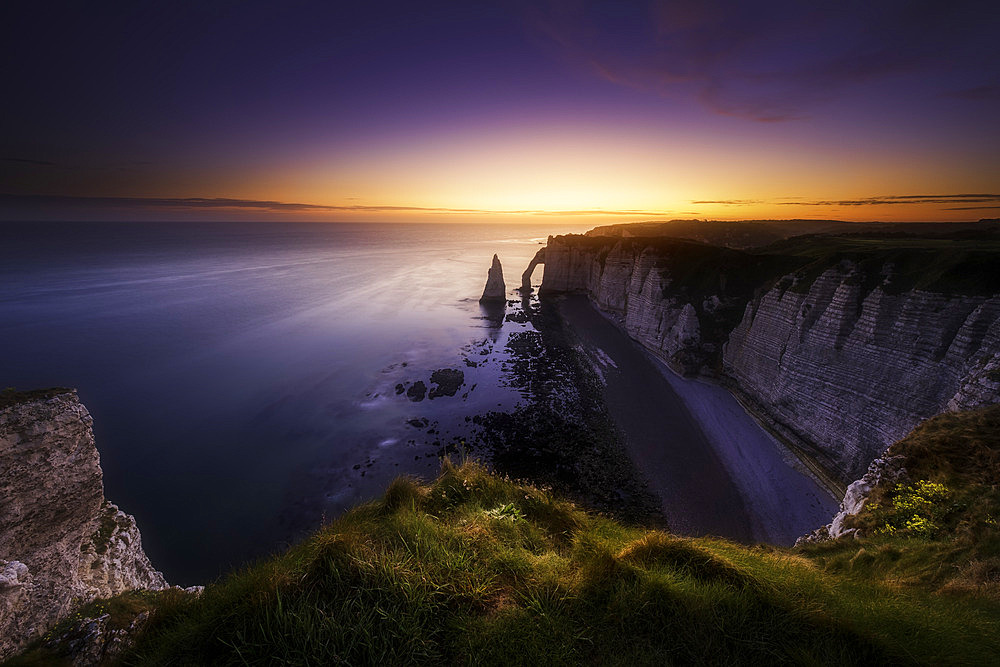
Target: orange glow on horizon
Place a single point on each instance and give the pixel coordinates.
(637, 173)
(575, 173)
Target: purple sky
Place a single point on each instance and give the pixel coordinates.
(404, 110)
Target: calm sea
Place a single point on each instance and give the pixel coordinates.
(242, 375)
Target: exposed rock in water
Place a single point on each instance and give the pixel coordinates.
(495, 289)
(447, 381)
(61, 542)
(417, 391)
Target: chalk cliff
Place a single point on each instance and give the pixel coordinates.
(539, 258)
(842, 354)
(853, 370)
(61, 542)
(678, 298)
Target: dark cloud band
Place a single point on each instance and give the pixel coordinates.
(217, 203)
(979, 198)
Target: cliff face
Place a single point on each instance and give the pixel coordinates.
(852, 371)
(677, 298)
(629, 281)
(844, 359)
(61, 542)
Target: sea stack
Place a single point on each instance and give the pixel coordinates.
(495, 289)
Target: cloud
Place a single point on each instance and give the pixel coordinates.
(885, 200)
(10, 202)
(901, 199)
(21, 160)
(977, 93)
(729, 202)
(770, 61)
(225, 203)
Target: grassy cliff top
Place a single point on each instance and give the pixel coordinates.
(963, 261)
(937, 527)
(478, 569)
(475, 568)
(959, 263)
(757, 233)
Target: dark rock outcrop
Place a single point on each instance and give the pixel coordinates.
(417, 391)
(447, 382)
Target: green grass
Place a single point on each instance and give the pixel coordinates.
(950, 265)
(960, 552)
(477, 569)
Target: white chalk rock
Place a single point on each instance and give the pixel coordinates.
(495, 290)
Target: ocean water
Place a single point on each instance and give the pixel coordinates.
(242, 376)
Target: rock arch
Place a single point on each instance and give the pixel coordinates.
(539, 258)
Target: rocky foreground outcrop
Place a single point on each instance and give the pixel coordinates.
(62, 543)
(886, 471)
(843, 355)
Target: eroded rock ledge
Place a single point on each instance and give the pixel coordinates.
(62, 543)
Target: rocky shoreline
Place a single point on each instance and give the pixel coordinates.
(562, 437)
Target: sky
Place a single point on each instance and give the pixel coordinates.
(513, 111)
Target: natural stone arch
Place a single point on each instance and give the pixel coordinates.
(539, 258)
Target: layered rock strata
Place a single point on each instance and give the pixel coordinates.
(851, 371)
(61, 542)
(637, 284)
(840, 360)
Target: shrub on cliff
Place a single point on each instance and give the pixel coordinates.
(941, 529)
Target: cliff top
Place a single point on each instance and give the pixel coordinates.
(474, 567)
(758, 233)
(11, 396)
(964, 262)
(955, 260)
(935, 522)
